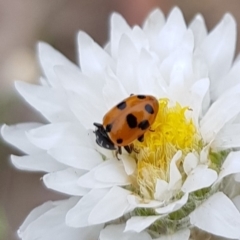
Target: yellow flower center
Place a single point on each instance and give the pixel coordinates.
(171, 131)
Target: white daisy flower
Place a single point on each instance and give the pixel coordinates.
(184, 176)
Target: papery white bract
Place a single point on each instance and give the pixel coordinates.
(177, 178)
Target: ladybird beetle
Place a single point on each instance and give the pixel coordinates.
(126, 122)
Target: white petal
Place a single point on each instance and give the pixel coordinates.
(174, 206)
(116, 232)
(138, 224)
(182, 234)
(237, 177)
(231, 91)
(126, 67)
(204, 154)
(51, 224)
(43, 81)
(177, 62)
(139, 38)
(161, 189)
(137, 201)
(154, 21)
(187, 42)
(65, 181)
(16, 136)
(228, 137)
(230, 186)
(35, 214)
(111, 96)
(200, 177)
(107, 47)
(198, 92)
(200, 68)
(76, 81)
(77, 156)
(49, 102)
(85, 110)
(78, 215)
(89, 233)
(37, 162)
(217, 215)
(199, 29)
(117, 205)
(148, 75)
(93, 59)
(88, 180)
(236, 201)
(175, 175)
(230, 80)
(177, 70)
(50, 57)
(231, 165)
(113, 172)
(190, 162)
(171, 34)
(220, 112)
(129, 164)
(59, 134)
(119, 26)
(153, 25)
(218, 48)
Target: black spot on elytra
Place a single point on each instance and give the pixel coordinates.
(119, 140)
(109, 128)
(121, 105)
(131, 120)
(141, 138)
(141, 96)
(149, 109)
(144, 124)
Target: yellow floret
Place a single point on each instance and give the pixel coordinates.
(171, 131)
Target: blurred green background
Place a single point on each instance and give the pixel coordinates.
(22, 24)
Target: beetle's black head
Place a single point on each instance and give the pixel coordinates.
(102, 139)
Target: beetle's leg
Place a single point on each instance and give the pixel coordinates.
(128, 148)
(134, 149)
(118, 151)
(151, 130)
(98, 125)
(141, 138)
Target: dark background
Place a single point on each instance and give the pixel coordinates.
(22, 24)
